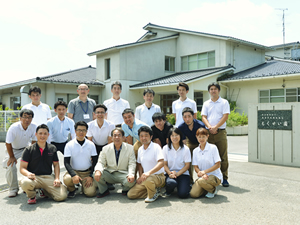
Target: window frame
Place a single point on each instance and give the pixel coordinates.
(169, 61)
(198, 60)
(107, 66)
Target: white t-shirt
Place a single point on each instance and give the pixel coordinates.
(178, 106)
(148, 158)
(20, 138)
(207, 158)
(177, 159)
(215, 111)
(100, 135)
(115, 109)
(145, 115)
(41, 113)
(60, 130)
(80, 155)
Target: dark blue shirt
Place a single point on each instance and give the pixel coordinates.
(191, 134)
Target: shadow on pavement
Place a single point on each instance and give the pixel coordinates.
(234, 189)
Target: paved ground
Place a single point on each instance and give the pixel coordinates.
(258, 194)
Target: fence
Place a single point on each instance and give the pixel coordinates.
(7, 118)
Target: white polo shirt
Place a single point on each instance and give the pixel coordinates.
(177, 158)
(215, 111)
(41, 113)
(178, 106)
(18, 137)
(143, 113)
(207, 158)
(148, 158)
(100, 135)
(60, 130)
(80, 155)
(115, 109)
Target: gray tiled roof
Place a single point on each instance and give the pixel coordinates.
(180, 77)
(85, 75)
(285, 45)
(268, 69)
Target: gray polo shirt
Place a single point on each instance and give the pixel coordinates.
(78, 108)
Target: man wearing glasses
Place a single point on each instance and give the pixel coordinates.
(100, 129)
(18, 137)
(81, 108)
(80, 160)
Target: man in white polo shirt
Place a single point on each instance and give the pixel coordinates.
(145, 112)
(100, 129)
(150, 164)
(41, 111)
(182, 102)
(18, 137)
(215, 112)
(80, 160)
(60, 127)
(116, 105)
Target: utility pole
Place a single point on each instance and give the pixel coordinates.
(285, 51)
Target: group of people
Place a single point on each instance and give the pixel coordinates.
(109, 143)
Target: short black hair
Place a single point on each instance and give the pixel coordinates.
(128, 110)
(214, 84)
(145, 129)
(42, 126)
(81, 123)
(116, 83)
(34, 89)
(158, 116)
(118, 129)
(177, 131)
(58, 103)
(181, 84)
(100, 106)
(187, 109)
(27, 112)
(149, 91)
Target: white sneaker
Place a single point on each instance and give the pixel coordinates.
(155, 196)
(211, 195)
(12, 193)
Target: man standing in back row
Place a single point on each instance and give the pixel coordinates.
(215, 112)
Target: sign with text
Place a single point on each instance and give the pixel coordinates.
(274, 119)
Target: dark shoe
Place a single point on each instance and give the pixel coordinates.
(124, 193)
(71, 194)
(110, 187)
(225, 183)
(105, 193)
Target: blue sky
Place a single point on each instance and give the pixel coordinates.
(39, 39)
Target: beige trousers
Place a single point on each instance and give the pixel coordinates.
(202, 186)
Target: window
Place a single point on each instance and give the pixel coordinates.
(198, 97)
(166, 103)
(198, 61)
(279, 95)
(15, 102)
(95, 97)
(169, 63)
(107, 69)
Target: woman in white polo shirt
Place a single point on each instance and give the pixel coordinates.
(177, 160)
(206, 161)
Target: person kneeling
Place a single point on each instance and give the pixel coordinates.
(80, 160)
(116, 164)
(150, 163)
(36, 166)
(206, 161)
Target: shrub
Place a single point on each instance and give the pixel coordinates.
(236, 119)
(171, 118)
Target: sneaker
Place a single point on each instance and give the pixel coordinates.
(211, 195)
(105, 193)
(110, 187)
(42, 194)
(32, 200)
(124, 193)
(155, 196)
(225, 183)
(71, 194)
(166, 194)
(12, 194)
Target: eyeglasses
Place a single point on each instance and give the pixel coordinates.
(99, 112)
(82, 89)
(117, 135)
(26, 118)
(81, 131)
